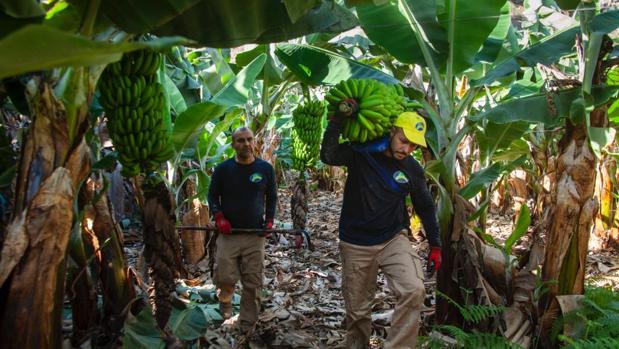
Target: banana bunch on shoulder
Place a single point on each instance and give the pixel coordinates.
(134, 104)
(306, 134)
(370, 105)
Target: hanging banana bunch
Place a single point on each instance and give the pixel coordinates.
(134, 104)
(306, 134)
(371, 106)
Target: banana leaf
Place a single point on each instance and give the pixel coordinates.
(315, 66)
(351, 3)
(229, 23)
(141, 332)
(463, 24)
(495, 137)
(600, 138)
(187, 323)
(143, 16)
(216, 135)
(236, 90)
(546, 51)
(522, 225)
(468, 24)
(568, 4)
(435, 169)
(177, 102)
(516, 149)
(22, 8)
(271, 72)
(549, 49)
(189, 124)
(613, 112)
(15, 14)
(495, 41)
(296, 9)
(219, 73)
(38, 47)
(482, 178)
(386, 26)
(519, 109)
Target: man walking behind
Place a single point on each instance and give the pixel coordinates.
(374, 225)
(242, 194)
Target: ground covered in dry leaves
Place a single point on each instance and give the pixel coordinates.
(302, 302)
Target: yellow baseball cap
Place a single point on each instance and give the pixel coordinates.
(414, 127)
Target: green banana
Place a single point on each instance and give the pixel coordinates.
(133, 101)
(377, 104)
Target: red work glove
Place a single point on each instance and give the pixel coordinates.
(434, 259)
(268, 225)
(298, 241)
(223, 225)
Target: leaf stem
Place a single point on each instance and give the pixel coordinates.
(90, 18)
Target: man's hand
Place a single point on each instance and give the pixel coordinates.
(434, 259)
(223, 225)
(345, 109)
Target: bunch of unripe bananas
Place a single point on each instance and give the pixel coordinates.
(134, 104)
(368, 107)
(306, 134)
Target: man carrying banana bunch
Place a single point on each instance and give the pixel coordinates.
(242, 194)
(374, 225)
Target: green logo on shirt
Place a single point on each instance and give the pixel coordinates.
(255, 178)
(400, 177)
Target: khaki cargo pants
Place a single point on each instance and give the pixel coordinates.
(240, 257)
(402, 269)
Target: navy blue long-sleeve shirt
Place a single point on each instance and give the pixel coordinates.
(241, 191)
(373, 210)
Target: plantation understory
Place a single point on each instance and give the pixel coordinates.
(302, 301)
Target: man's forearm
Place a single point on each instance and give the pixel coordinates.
(271, 203)
(424, 208)
(213, 195)
(332, 152)
(271, 197)
(430, 225)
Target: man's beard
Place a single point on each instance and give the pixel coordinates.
(399, 155)
(245, 153)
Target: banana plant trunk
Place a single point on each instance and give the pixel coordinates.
(194, 241)
(116, 282)
(542, 183)
(605, 232)
(573, 209)
(32, 265)
(451, 268)
(80, 286)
